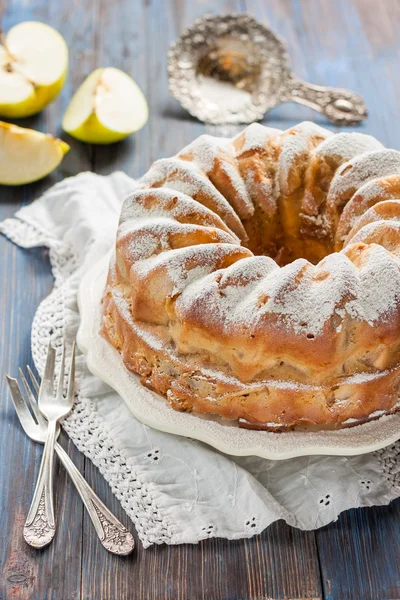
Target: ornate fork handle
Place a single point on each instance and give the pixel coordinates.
(113, 535)
(338, 105)
(40, 527)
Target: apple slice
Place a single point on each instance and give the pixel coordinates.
(33, 66)
(107, 107)
(27, 155)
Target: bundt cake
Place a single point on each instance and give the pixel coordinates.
(258, 278)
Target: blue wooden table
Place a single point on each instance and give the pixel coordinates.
(347, 43)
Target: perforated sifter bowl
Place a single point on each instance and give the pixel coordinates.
(232, 69)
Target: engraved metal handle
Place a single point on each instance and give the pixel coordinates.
(40, 527)
(113, 535)
(340, 106)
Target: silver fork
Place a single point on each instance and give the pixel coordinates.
(113, 535)
(40, 526)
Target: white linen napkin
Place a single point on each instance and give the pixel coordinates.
(175, 490)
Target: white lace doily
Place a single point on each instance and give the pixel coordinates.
(175, 490)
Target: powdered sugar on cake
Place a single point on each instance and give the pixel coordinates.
(186, 177)
(298, 144)
(352, 175)
(294, 292)
(204, 150)
(255, 137)
(246, 329)
(347, 145)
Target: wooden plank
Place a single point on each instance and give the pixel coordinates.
(121, 43)
(26, 279)
(360, 554)
(364, 57)
(277, 564)
(135, 36)
(217, 569)
(24, 573)
(282, 16)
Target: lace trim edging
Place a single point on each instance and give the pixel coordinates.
(85, 428)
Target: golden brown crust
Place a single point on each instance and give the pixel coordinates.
(380, 213)
(271, 405)
(220, 331)
(382, 188)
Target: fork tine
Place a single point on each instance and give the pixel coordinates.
(47, 386)
(30, 396)
(60, 386)
(35, 383)
(20, 406)
(71, 378)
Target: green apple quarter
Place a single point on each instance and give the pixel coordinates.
(27, 155)
(33, 66)
(106, 108)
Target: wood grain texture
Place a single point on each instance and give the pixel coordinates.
(25, 280)
(353, 45)
(359, 554)
(280, 563)
(183, 572)
(348, 43)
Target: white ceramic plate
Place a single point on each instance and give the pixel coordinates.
(150, 408)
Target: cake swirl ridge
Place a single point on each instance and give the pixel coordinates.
(270, 257)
